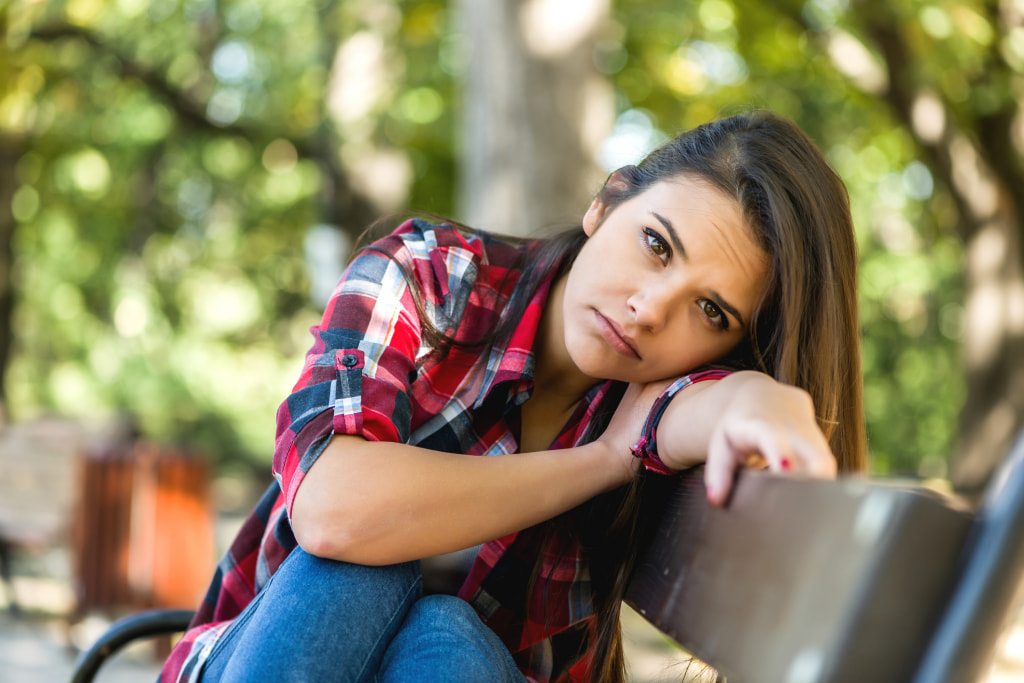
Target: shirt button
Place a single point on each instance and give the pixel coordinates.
(349, 360)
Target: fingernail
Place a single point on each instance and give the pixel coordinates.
(712, 492)
(785, 463)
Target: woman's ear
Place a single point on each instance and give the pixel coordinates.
(592, 218)
(615, 188)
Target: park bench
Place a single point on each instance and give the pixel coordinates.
(799, 581)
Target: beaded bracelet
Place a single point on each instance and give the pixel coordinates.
(646, 448)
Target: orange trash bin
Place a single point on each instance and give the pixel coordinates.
(143, 535)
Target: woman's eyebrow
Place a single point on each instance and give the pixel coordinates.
(678, 244)
(672, 234)
(727, 307)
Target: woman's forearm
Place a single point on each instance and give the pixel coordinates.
(687, 428)
(382, 503)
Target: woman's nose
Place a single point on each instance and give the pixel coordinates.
(650, 306)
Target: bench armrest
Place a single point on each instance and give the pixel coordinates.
(147, 624)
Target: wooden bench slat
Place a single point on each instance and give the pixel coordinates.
(802, 581)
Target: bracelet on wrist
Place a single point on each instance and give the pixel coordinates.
(646, 447)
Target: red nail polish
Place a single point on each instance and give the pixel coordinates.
(785, 463)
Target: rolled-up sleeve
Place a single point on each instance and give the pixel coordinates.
(356, 377)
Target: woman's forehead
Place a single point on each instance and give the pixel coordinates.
(709, 232)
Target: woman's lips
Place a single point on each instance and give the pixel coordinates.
(615, 337)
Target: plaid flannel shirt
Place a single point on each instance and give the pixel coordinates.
(368, 373)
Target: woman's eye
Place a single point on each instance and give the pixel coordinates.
(714, 313)
(655, 243)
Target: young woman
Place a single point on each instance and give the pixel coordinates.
(705, 313)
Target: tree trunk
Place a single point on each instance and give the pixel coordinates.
(534, 111)
(10, 152)
(993, 350)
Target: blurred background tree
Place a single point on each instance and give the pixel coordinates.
(180, 181)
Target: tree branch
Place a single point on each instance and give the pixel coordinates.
(188, 110)
(341, 200)
(882, 26)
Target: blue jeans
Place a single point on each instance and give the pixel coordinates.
(322, 620)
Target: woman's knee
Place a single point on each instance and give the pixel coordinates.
(444, 612)
(339, 616)
(328, 580)
(328, 596)
(443, 633)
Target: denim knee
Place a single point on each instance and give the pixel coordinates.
(435, 612)
(444, 639)
(318, 620)
(330, 579)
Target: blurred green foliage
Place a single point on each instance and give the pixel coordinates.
(172, 157)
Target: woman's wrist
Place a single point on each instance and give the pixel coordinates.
(614, 469)
(646, 449)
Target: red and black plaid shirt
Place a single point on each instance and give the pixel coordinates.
(369, 373)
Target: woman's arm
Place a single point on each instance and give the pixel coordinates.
(381, 503)
(725, 422)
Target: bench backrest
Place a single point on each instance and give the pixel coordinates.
(826, 582)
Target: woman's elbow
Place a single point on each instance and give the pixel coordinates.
(342, 542)
(336, 514)
(312, 538)
(326, 531)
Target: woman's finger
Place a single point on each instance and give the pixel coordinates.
(758, 445)
(720, 468)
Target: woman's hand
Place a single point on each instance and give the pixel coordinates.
(745, 419)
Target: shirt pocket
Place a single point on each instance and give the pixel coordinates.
(347, 391)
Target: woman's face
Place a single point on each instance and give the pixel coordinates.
(666, 282)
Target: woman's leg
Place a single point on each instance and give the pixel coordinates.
(316, 620)
(443, 639)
